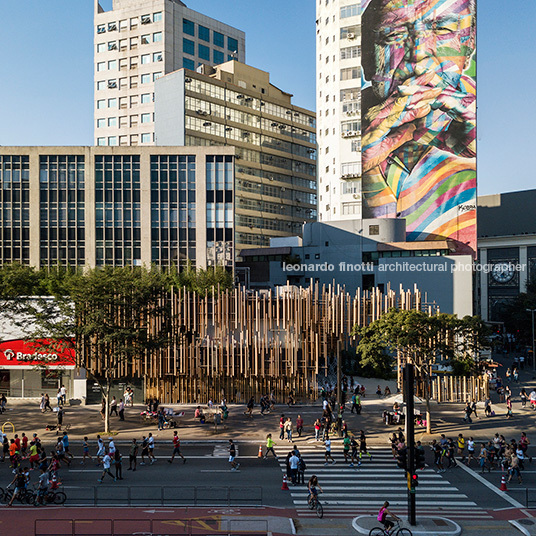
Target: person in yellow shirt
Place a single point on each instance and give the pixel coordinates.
(270, 446)
(461, 447)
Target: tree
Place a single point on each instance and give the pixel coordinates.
(421, 339)
(516, 317)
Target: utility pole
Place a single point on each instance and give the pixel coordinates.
(410, 440)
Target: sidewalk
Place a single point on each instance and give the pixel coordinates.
(525, 526)
(426, 526)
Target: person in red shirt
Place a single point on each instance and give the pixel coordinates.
(176, 448)
(24, 444)
(17, 441)
(299, 425)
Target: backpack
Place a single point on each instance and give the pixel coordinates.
(302, 465)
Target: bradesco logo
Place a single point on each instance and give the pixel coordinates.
(10, 355)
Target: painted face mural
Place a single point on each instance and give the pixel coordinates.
(419, 105)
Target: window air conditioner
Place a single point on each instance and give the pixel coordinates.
(112, 85)
(145, 20)
(350, 36)
(112, 27)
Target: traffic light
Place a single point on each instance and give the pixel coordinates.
(402, 459)
(419, 458)
(414, 481)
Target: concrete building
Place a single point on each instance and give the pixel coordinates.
(94, 206)
(338, 105)
(506, 241)
(235, 104)
(138, 41)
(364, 254)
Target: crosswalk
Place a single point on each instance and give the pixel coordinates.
(351, 491)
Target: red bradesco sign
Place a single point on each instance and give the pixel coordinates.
(21, 353)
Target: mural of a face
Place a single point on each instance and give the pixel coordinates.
(416, 36)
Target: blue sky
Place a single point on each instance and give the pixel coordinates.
(46, 89)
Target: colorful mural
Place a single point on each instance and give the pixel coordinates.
(419, 116)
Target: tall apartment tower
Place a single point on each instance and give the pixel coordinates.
(136, 42)
(338, 45)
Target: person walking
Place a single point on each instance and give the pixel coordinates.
(270, 447)
(59, 398)
(232, 456)
(346, 447)
(461, 446)
(101, 450)
(282, 427)
(113, 406)
(85, 450)
(327, 454)
(299, 425)
(468, 410)
(47, 403)
(161, 419)
(133, 456)
(363, 447)
(42, 403)
(509, 412)
(318, 427)
(150, 442)
(121, 410)
(65, 440)
(176, 448)
(514, 469)
(63, 393)
(144, 450)
(524, 398)
(293, 463)
(106, 463)
(59, 416)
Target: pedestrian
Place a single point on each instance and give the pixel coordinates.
(509, 413)
(47, 403)
(483, 458)
(111, 447)
(101, 450)
(487, 407)
(524, 398)
(363, 447)
(327, 454)
(346, 447)
(282, 426)
(299, 425)
(301, 470)
(113, 406)
(318, 427)
(5, 448)
(532, 398)
(354, 455)
(161, 419)
(103, 409)
(249, 407)
(515, 469)
(150, 441)
(508, 374)
(461, 446)
(132, 455)
(144, 450)
(65, 440)
(24, 444)
(106, 463)
(270, 446)
(470, 450)
(232, 456)
(288, 429)
(59, 416)
(524, 444)
(121, 410)
(59, 397)
(515, 374)
(118, 465)
(293, 463)
(34, 454)
(85, 450)
(63, 393)
(42, 403)
(468, 410)
(176, 448)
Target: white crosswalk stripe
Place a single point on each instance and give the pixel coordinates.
(351, 491)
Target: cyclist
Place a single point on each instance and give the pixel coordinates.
(20, 485)
(42, 486)
(312, 486)
(382, 517)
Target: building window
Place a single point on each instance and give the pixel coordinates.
(101, 104)
(145, 98)
(101, 141)
(188, 64)
(350, 52)
(232, 44)
(356, 146)
(204, 52)
(101, 66)
(145, 118)
(112, 103)
(101, 47)
(204, 33)
(349, 11)
(188, 27)
(146, 138)
(157, 56)
(157, 37)
(373, 230)
(101, 84)
(145, 58)
(112, 45)
(218, 57)
(157, 17)
(112, 140)
(112, 65)
(101, 123)
(218, 39)
(101, 28)
(145, 78)
(112, 121)
(351, 73)
(188, 46)
(145, 39)
(156, 76)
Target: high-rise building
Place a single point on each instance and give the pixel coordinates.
(138, 41)
(338, 105)
(116, 206)
(235, 104)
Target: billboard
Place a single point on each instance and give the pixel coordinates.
(419, 116)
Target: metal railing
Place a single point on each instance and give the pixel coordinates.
(212, 526)
(528, 494)
(165, 496)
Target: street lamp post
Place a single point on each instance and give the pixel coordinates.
(533, 354)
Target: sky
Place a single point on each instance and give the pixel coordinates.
(46, 86)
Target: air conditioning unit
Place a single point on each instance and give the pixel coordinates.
(357, 196)
(112, 27)
(101, 30)
(350, 36)
(145, 20)
(350, 133)
(112, 84)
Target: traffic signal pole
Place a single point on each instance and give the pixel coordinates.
(410, 439)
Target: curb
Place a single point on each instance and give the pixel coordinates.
(292, 526)
(425, 532)
(519, 527)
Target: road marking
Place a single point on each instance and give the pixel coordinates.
(219, 471)
(490, 486)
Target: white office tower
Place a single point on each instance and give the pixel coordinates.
(338, 105)
(136, 42)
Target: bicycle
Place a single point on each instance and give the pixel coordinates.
(50, 497)
(25, 496)
(314, 504)
(396, 530)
